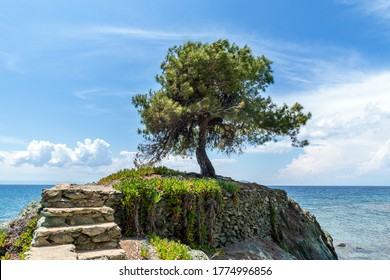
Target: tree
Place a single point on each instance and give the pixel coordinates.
(210, 97)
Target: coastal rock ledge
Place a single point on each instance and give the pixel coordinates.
(263, 223)
(255, 223)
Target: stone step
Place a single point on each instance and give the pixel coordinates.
(71, 196)
(112, 254)
(61, 217)
(68, 252)
(84, 237)
(59, 252)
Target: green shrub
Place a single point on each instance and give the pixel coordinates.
(5, 257)
(169, 249)
(229, 186)
(3, 237)
(23, 243)
(144, 252)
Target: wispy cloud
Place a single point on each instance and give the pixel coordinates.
(148, 34)
(8, 62)
(96, 92)
(378, 8)
(12, 140)
(312, 65)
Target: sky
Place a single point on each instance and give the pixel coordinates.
(68, 70)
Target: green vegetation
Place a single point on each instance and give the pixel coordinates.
(193, 202)
(23, 243)
(3, 237)
(16, 239)
(138, 173)
(169, 249)
(211, 98)
(229, 186)
(144, 252)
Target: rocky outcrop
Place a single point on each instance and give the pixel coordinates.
(298, 232)
(78, 222)
(253, 249)
(285, 230)
(255, 223)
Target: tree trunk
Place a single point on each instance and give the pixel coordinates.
(204, 162)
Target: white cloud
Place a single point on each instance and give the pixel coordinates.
(271, 147)
(349, 132)
(124, 160)
(379, 8)
(188, 164)
(88, 161)
(379, 159)
(93, 154)
(45, 161)
(147, 34)
(89, 93)
(44, 153)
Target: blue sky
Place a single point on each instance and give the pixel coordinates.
(68, 70)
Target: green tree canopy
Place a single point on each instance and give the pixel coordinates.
(210, 98)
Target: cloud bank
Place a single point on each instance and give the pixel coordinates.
(88, 161)
(349, 132)
(44, 153)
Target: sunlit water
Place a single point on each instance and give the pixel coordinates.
(356, 216)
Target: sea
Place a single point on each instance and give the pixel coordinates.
(355, 216)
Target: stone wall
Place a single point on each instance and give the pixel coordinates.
(248, 215)
(239, 217)
(254, 212)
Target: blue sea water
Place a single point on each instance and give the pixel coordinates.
(13, 198)
(356, 216)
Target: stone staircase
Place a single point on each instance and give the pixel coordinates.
(78, 222)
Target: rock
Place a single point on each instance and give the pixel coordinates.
(253, 249)
(61, 238)
(342, 245)
(198, 255)
(299, 233)
(111, 254)
(59, 252)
